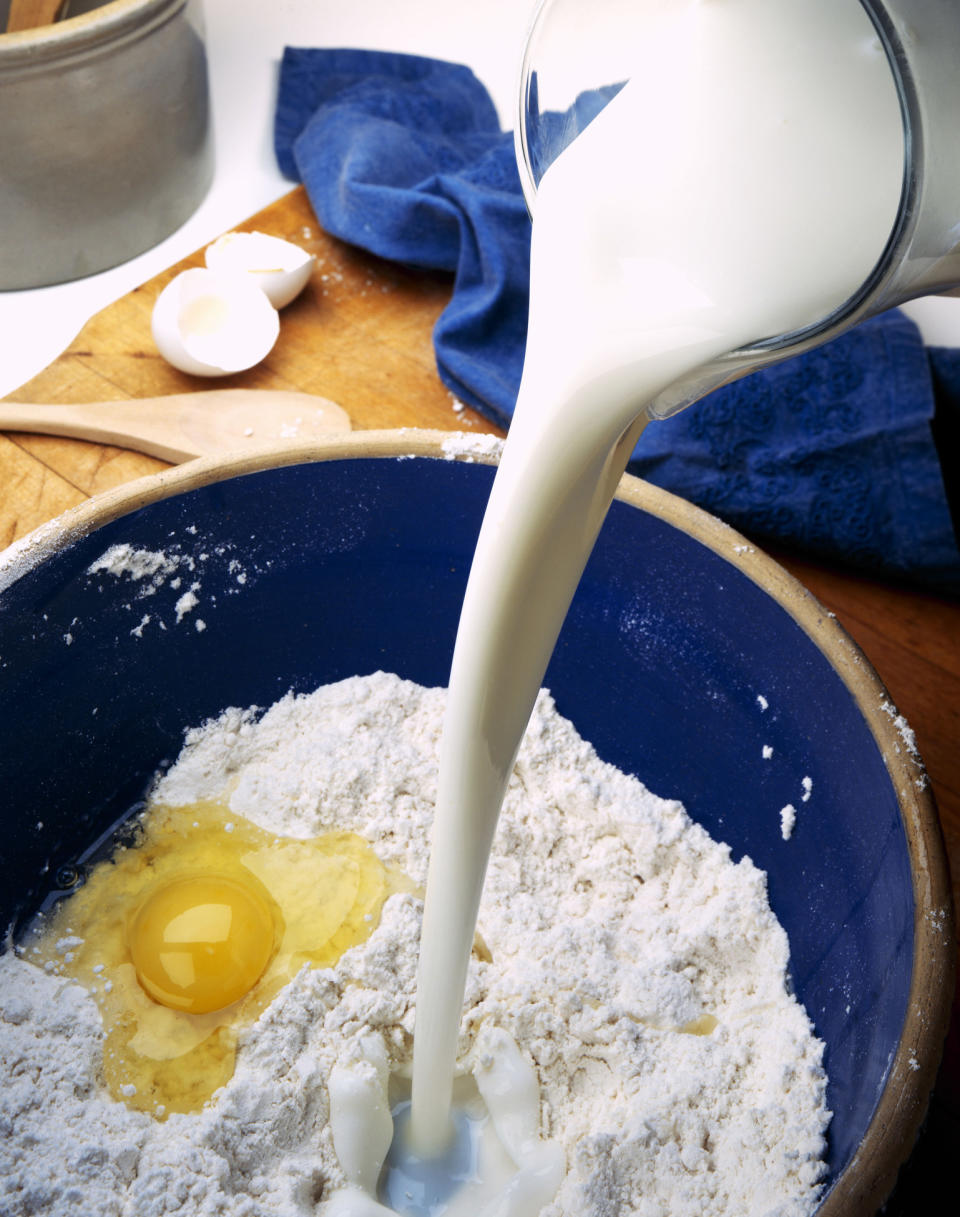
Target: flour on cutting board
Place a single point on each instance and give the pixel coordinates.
(638, 967)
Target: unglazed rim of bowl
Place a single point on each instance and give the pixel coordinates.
(870, 1175)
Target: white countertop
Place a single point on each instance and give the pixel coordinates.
(245, 39)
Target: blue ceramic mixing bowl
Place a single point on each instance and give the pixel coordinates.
(680, 633)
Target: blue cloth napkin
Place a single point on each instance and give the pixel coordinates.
(833, 453)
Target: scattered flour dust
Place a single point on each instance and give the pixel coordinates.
(167, 579)
(618, 929)
(467, 447)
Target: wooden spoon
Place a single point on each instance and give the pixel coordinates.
(29, 14)
(185, 425)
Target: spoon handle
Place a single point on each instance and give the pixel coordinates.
(181, 426)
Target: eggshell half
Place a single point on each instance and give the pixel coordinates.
(279, 268)
(211, 323)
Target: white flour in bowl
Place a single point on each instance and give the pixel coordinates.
(635, 964)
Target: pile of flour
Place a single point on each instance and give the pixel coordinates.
(613, 922)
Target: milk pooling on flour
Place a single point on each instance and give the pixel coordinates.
(742, 184)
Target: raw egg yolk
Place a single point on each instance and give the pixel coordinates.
(186, 936)
(202, 942)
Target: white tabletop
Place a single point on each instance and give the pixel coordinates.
(245, 39)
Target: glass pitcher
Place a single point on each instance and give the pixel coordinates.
(572, 47)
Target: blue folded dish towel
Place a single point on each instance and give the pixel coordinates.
(848, 453)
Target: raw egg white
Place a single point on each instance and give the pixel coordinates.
(186, 936)
(213, 323)
(279, 268)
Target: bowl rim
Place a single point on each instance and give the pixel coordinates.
(902, 1106)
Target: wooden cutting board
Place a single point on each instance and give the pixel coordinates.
(360, 334)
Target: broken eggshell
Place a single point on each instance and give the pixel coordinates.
(279, 268)
(213, 323)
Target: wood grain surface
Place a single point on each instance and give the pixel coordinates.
(361, 335)
(29, 14)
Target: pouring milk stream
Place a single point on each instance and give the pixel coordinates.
(774, 130)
